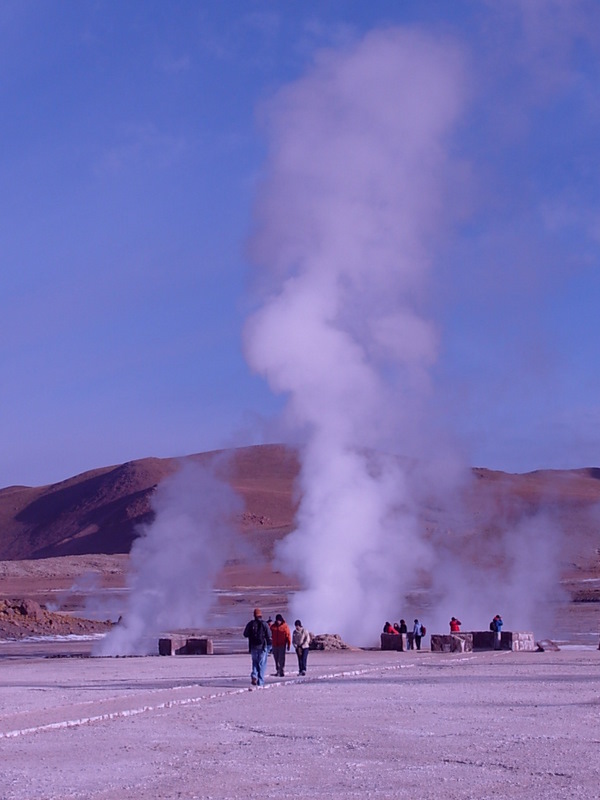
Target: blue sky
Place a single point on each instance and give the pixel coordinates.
(132, 148)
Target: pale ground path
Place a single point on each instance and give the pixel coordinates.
(53, 702)
(363, 724)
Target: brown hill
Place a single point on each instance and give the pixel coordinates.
(98, 511)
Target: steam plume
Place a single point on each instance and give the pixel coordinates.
(348, 218)
(174, 563)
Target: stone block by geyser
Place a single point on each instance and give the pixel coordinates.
(168, 646)
(199, 647)
(451, 642)
(519, 641)
(394, 641)
(483, 640)
(183, 646)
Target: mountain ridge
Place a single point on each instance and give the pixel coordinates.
(100, 511)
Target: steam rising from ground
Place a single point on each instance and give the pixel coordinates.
(176, 559)
(512, 567)
(352, 204)
(349, 218)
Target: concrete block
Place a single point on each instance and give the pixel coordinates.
(509, 640)
(451, 642)
(184, 646)
(519, 641)
(199, 647)
(483, 640)
(168, 646)
(393, 641)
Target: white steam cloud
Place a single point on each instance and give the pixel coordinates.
(176, 559)
(509, 564)
(348, 220)
(351, 215)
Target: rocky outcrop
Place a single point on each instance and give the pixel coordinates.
(21, 618)
(327, 641)
(104, 510)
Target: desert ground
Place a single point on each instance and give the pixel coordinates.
(360, 724)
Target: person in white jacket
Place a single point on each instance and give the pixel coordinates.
(301, 641)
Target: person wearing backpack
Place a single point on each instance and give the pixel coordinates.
(258, 634)
(418, 632)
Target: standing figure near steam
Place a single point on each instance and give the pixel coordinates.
(301, 641)
(455, 625)
(258, 634)
(282, 640)
(496, 626)
(417, 634)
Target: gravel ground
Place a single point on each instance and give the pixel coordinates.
(361, 724)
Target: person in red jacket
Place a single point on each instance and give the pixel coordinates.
(455, 625)
(282, 641)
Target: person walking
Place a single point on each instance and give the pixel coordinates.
(258, 634)
(455, 625)
(301, 641)
(282, 640)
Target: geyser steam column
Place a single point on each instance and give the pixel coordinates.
(351, 203)
(175, 560)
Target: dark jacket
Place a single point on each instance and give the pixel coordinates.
(258, 633)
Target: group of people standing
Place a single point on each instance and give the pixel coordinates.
(418, 630)
(276, 637)
(413, 638)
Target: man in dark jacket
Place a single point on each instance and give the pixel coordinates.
(258, 634)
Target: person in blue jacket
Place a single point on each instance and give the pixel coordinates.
(417, 634)
(496, 626)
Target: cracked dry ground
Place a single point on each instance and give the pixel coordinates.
(362, 724)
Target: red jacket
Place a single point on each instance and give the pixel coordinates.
(281, 634)
(455, 625)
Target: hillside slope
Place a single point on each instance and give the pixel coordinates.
(98, 512)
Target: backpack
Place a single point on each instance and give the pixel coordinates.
(493, 626)
(423, 630)
(259, 634)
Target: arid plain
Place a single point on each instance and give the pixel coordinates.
(362, 723)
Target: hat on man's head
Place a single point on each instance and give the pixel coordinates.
(278, 618)
(257, 612)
